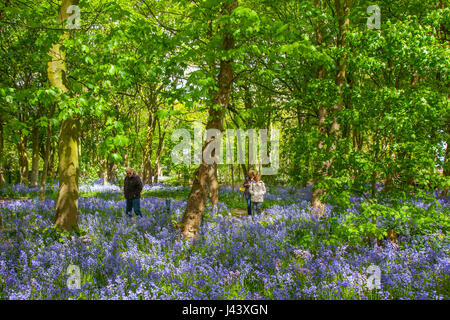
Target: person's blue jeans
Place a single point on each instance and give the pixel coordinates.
(249, 204)
(134, 204)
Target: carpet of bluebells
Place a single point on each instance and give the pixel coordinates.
(283, 254)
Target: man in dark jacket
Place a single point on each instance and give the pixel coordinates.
(132, 188)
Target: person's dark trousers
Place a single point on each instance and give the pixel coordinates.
(134, 204)
(257, 207)
(249, 205)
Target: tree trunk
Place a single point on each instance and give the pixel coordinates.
(2, 156)
(159, 152)
(110, 171)
(342, 11)
(46, 158)
(316, 204)
(238, 174)
(105, 171)
(68, 171)
(389, 181)
(51, 163)
(44, 173)
(66, 216)
(446, 166)
(127, 160)
(205, 179)
(34, 157)
(248, 103)
(147, 161)
(446, 171)
(232, 177)
(244, 170)
(357, 140)
(373, 184)
(23, 159)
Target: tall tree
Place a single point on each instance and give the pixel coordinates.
(342, 14)
(2, 177)
(34, 175)
(205, 177)
(159, 150)
(66, 216)
(46, 155)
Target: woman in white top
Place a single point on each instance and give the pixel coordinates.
(257, 191)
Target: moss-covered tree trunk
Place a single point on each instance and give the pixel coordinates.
(68, 171)
(205, 179)
(66, 216)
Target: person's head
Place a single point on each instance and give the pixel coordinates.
(258, 178)
(252, 174)
(129, 172)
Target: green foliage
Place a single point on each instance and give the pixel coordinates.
(375, 220)
(52, 234)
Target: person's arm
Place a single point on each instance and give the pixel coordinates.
(263, 188)
(137, 186)
(247, 183)
(140, 185)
